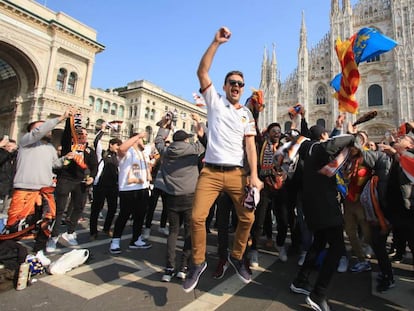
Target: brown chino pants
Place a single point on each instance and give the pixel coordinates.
(210, 183)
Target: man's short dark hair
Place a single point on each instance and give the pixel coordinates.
(30, 125)
(272, 125)
(116, 141)
(233, 72)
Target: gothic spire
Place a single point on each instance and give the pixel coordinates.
(334, 6)
(346, 6)
(303, 32)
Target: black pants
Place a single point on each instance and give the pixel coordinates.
(153, 200)
(99, 196)
(379, 246)
(278, 203)
(133, 203)
(223, 210)
(179, 207)
(76, 190)
(334, 237)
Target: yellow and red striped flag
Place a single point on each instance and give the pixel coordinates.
(350, 76)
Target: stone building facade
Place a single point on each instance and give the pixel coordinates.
(46, 65)
(386, 84)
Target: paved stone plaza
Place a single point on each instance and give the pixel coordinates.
(131, 281)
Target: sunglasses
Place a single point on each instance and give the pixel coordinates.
(235, 82)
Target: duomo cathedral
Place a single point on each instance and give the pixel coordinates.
(47, 59)
(387, 82)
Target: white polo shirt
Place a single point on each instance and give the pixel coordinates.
(227, 127)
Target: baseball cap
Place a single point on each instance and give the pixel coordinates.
(181, 135)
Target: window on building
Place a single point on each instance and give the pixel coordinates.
(184, 125)
(375, 95)
(321, 122)
(91, 101)
(121, 111)
(98, 105)
(147, 113)
(114, 108)
(166, 108)
(288, 125)
(373, 59)
(73, 78)
(135, 111)
(105, 107)
(148, 129)
(321, 96)
(130, 112)
(152, 116)
(61, 79)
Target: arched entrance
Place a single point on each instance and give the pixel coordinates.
(18, 80)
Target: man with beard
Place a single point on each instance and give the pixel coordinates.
(33, 205)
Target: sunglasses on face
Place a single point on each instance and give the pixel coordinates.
(236, 82)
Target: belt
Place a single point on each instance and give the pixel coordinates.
(222, 168)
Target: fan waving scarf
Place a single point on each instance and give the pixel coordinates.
(362, 46)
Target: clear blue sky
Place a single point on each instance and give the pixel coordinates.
(162, 40)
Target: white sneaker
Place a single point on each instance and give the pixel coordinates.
(164, 231)
(343, 264)
(369, 253)
(254, 259)
(302, 258)
(115, 248)
(70, 238)
(42, 258)
(146, 233)
(51, 244)
(282, 253)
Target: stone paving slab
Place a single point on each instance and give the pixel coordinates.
(131, 281)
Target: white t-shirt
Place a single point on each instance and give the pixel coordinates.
(227, 127)
(133, 165)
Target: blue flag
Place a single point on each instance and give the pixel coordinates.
(368, 43)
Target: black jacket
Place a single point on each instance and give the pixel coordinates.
(7, 170)
(108, 177)
(72, 171)
(320, 196)
(400, 197)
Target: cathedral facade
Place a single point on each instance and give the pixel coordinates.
(386, 84)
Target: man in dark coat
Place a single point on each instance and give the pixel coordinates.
(8, 153)
(322, 211)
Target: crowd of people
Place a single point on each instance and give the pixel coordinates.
(322, 187)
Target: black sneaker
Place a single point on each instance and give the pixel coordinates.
(140, 244)
(301, 287)
(222, 267)
(317, 304)
(168, 275)
(385, 284)
(193, 275)
(182, 274)
(240, 269)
